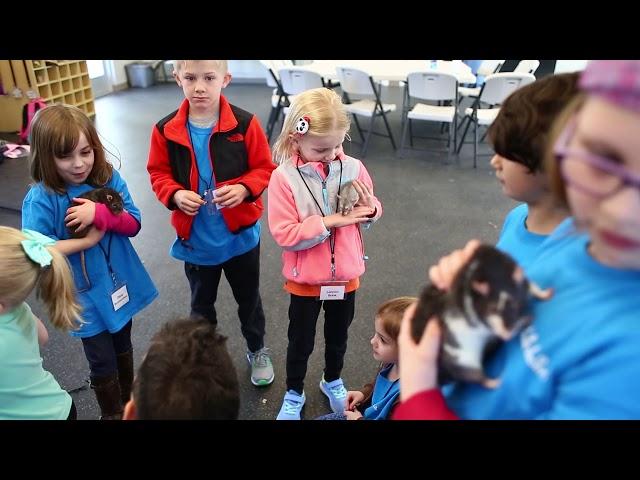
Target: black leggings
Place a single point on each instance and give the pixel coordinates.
(303, 316)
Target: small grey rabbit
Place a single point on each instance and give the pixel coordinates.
(347, 198)
(487, 304)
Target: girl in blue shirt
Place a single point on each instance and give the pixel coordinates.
(580, 357)
(68, 160)
(376, 401)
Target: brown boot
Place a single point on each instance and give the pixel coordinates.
(125, 374)
(107, 390)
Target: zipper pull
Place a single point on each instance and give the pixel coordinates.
(325, 194)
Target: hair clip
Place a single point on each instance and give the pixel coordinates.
(35, 247)
(302, 125)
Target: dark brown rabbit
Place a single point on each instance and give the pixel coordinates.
(108, 196)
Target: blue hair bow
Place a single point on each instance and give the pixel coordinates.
(35, 247)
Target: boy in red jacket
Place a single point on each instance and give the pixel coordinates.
(209, 163)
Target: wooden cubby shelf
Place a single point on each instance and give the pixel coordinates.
(56, 81)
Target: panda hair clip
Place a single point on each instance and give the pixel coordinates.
(302, 125)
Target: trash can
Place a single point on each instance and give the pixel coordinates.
(140, 74)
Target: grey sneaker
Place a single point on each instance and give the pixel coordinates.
(261, 367)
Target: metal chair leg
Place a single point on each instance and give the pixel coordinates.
(366, 142)
(464, 135)
(404, 137)
(475, 142)
(384, 117)
(355, 119)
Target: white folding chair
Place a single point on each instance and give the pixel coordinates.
(527, 66)
(486, 68)
(297, 80)
(437, 87)
(495, 90)
(278, 98)
(356, 82)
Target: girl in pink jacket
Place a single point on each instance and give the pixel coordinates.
(311, 218)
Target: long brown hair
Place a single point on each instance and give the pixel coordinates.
(55, 132)
(19, 276)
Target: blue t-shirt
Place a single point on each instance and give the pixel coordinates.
(580, 359)
(43, 210)
(385, 394)
(516, 240)
(211, 242)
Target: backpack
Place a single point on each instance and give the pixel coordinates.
(28, 112)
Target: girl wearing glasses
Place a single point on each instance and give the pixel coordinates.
(580, 357)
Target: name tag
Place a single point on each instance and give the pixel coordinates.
(208, 198)
(120, 297)
(332, 292)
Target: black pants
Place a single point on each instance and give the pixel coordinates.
(243, 274)
(101, 350)
(303, 316)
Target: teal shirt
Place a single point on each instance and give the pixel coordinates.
(27, 391)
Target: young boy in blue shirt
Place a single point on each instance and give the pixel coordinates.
(209, 163)
(519, 136)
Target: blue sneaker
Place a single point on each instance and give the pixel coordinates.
(291, 406)
(336, 393)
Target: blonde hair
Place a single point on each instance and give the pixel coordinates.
(55, 132)
(326, 114)
(221, 66)
(391, 312)
(552, 166)
(19, 276)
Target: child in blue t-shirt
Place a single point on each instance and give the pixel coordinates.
(376, 401)
(68, 160)
(209, 163)
(519, 135)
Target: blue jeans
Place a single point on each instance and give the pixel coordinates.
(101, 350)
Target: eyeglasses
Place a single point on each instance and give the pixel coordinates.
(592, 174)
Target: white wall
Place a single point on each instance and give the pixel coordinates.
(246, 69)
(117, 75)
(240, 69)
(563, 66)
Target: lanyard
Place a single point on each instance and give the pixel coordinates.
(332, 238)
(206, 183)
(107, 256)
